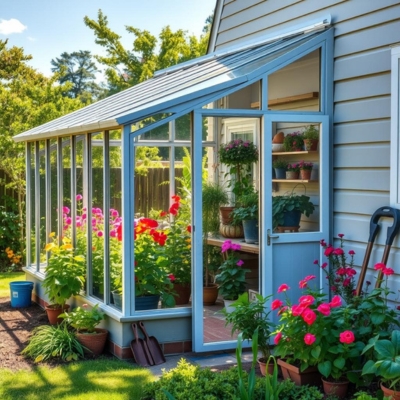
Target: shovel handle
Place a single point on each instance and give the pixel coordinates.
(392, 230)
(142, 328)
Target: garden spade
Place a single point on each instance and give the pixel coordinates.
(153, 346)
(140, 350)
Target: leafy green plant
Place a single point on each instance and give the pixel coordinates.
(311, 132)
(280, 163)
(10, 240)
(290, 202)
(64, 272)
(231, 277)
(249, 316)
(248, 209)
(83, 319)
(272, 387)
(386, 363)
(293, 142)
(53, 342)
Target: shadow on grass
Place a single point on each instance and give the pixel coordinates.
(100, 379)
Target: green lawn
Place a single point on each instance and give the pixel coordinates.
(6, 278)
(101, 379)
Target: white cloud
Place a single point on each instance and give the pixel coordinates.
(31, 39)
(11, 26)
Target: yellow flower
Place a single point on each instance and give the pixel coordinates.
(49, 246)
(52, 234)
(66, 240)
(67, 246)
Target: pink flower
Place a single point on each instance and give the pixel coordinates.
(276, 304)
(68, 221)
(66, 210)
(340, 235)
(387, 271)
(226, 246)
(379, 266)
(322, 243)
(336, 301)
(309, 339)
(240, 263)
(351, 271)
(79, 197)
(171, 277)
(100, 234)
(347, 337)
(114, 213)
(324, 265)
(316, 262)
(328, 251)
(309, 316)
(338, 252)
(346, 282)
(113, 233)
(341, 271)
(278, 337)
(306, 300)
(297, 310)
(324, 309)
(351, 252)
(283, 288)
(235, 246)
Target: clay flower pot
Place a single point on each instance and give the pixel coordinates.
(94, 342)
(53, 311)
(310, 376)
(335, 388)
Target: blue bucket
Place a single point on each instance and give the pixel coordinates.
(21, 293)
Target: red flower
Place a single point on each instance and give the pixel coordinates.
(328, 251)
(351, 252)
(297, 310)
(306, 300)
(171, 277)
(174, 209)
(119, 233)
(336, 301)
(176, 198)
(189, 228)
(276, 304)
(387, 271)
(379, 266)
(278, 337)
(347, 337)
(338, 252)
(309, 339)
(340, 235)
(324, 265)
(163, 213)
(324, 309)
(309, 316)
(283, 288)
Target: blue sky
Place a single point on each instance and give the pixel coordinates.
(46, 28)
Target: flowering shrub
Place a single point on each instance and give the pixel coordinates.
(341, 273)
(293, 141)
(231, 277)
(177, 250)
(316, 332)
(295, 167)
(305, 165)
(83, 319)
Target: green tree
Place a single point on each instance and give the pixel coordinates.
(125, 68)
(79, 69)
(27, 99)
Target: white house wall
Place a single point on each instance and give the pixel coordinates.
(365, 30)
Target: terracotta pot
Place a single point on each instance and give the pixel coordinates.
(305, 174)
(53, 311)
(335, 388)
(310, 376)
(263, 367)
(183, 293)
(292, 174)
(94, 342)
(391, 394)
(210, 294)
(225, 212)
(231, 231)
(311, 144)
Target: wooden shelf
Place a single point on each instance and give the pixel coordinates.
(288, 153)
(289, 99)
(294, 180)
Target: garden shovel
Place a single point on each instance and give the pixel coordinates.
(140, 350)
(392, 231)
(153, 346)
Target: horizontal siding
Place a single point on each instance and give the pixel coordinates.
(353, 202)
(362, 132)
(358, 65)
(362, 156)
(232, 7)
(378, 85)
(361, 179)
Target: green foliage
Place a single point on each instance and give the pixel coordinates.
(53, 342)
(10, 243)
(292, 392)
(248, 207)
(293, 142)
(279, 163)
(249, 316)
(83, 319)
(128, 67)
(231, 277)
(65, 272)
(188, 381)
(290, 202)
(78, 69)
(310, 133)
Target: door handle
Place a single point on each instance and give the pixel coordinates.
(270, 236)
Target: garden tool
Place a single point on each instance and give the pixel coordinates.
(140, 350)
(373, 231)
(153, 346)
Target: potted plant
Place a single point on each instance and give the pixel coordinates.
(85, 321)
(280, 166)
(214, 196)
(293, 142)
(305, 170)
(65, 276)
(292, 171)
(231, 277)
(287, 209)
(310, 138)
(386, 363)
(247, 317)
(247, 214)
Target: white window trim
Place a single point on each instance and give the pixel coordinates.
(394, 129)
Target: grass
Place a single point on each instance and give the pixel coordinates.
(100, 379)
(6, 278)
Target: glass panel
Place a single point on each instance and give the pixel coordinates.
(296, 169)
(160, 133)
(97, 223)
(33, 205)
(223, 246)
(115, 218)
(81, 207)
(54, 187)
(246, 98)
(42, 173)
(287, 92)
(182, 128)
